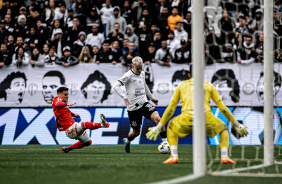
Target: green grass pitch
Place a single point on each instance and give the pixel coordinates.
(105, 164)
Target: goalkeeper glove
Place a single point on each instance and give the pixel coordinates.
(154, 132)
(240, 129)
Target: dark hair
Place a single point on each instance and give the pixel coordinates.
(228, 74)
(97, 75)
(57, 74)
(62, 89)
(180, 75)
(249, 36)
(277, 78)
(6, 83)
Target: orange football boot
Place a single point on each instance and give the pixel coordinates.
(171, 160)
(227, 161)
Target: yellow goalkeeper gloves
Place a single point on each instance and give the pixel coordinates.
(154, 132)
(240, 129)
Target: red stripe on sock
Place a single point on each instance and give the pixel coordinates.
(91, 126)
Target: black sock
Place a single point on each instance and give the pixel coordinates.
(130, 138)
(163, 134)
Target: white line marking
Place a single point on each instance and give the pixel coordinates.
(178, 180)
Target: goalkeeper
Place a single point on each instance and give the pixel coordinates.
(182, 125)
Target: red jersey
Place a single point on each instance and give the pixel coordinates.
(62, 113)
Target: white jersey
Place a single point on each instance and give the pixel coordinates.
(135, 86)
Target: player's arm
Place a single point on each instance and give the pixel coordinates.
(155, 131)
(241, 129)
(63, 104)
(117, 89)
(150, 96)
(75, 115)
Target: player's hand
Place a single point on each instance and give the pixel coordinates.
(126, 102)
(241, 130)
(156, 101)
(71, 104)
(153, 133)
(76, 116)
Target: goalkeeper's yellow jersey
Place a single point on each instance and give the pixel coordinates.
(184, 91)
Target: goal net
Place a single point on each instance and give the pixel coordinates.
(234, 55)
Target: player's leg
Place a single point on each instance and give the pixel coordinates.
(84, 140)
(179, 126)
(93, 126)
(135, 120)
(173, 142)
(215, 126)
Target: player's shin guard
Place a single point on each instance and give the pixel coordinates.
(90, 125)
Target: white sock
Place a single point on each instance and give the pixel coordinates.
(164, 139)
(174, 151)
(224, 152)
(127, 141)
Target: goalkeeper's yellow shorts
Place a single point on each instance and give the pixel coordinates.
(182, 125)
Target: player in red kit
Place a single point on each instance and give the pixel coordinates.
(65, 122)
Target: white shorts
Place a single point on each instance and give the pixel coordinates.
(77, 132)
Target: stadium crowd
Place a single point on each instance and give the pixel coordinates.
(47, 32)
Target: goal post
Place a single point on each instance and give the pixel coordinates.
(268, 83)
(199, 133)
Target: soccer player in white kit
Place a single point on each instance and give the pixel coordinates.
(136, 100)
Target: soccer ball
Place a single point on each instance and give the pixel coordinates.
(164, 148)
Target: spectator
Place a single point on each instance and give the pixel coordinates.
(259, 49)
(50, 12)
(126, 12)
(116, 35)
(62, 14)
(34, 17)
(71, 34)
(211, 38)
(57, 41)
(174, 18)
(21, 28)
(160, 6)
(4, 33)
(226, 25)
(94, 53)
(11, 44)
(95, 38)
(142, 31)
(162, 56)
(85, 56)
(31, 40)
(183, 54)
(125, 43)
(79, 8)
(278, 56)
(129, 55)
(137, 9)
(145, 18)
(188, 24)
(56, 26)
(94, 19)
(242, 28)
(67, 60)
(129, 34)
(41, 34)
(228, 54)
(45, 49)
(149, 56)
(9, 23)
(79, 43)
(36, 58)
(105, 55)
(179, 33)
(116, 50)
(19, 43)
(20, 58)
(172, 43)
(107, 12)
(157, 40)
(116, 18)
(68, 22)
(257, 23)
(51, 58)
(162, 20)
(150, 36)
(246, 54)
(5, 56)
